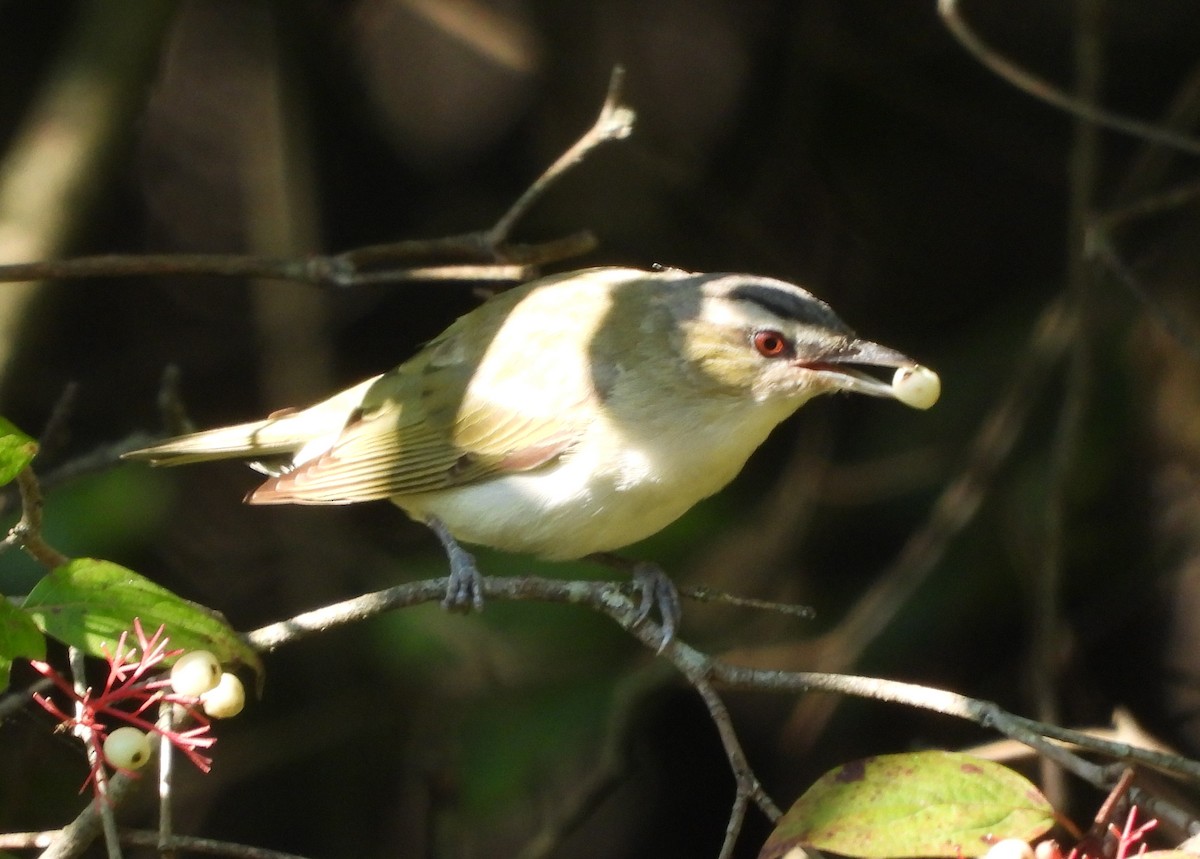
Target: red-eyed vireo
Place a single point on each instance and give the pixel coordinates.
(570, 416)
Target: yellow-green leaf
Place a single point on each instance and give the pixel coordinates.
(922, 804)
(17, 450)
(19, 638)
(88, 603)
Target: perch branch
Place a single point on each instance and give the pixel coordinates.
(707, 674)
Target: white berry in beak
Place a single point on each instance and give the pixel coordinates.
(916, 386)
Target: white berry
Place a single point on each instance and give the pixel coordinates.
(1009, 848)
(127, 748)
(916, 386)
(225, 699)
(195, 673)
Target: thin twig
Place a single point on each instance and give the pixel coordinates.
(168, 714)
(1049, 93)
(99, 773)
(479, 256)
(317, 270)
(749, 788)
(1174, 198)
(615, 122)
(609, 598)
(149, 838)
(1149, 170)
(27, 533)
(703, 594)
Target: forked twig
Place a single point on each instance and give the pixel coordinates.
(615, 122)
(482, 255)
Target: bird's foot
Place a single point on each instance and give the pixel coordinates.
(464, 588)
(657, 592)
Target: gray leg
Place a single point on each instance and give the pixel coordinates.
(464, 590)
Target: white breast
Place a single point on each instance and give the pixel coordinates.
(610, 491)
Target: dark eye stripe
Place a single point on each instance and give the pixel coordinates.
(788, 304)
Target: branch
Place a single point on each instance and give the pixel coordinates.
(1049, 93)
(484, 255)
(27, 533)
(148, 838)
(108, 820)
(615, 122)
(707, 674)
(749, 788)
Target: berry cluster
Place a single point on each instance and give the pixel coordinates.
(196, 685)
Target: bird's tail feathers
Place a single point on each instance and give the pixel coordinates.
(284, 433)
(258, 439)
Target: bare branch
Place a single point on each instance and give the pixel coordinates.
(482, 256)
(749, 788)
(148, 838)
(83, 731)
(615, 122)
(335, 271)
(1049, 93)
(706, 675)
(27, 533)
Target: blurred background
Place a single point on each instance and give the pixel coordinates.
(847, 145)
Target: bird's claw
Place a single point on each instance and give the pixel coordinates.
(464, 588)
(658, 592)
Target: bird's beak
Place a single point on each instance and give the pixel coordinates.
(836, 368)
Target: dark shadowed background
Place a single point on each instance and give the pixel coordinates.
(847, 145)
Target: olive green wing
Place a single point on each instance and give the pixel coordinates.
(446, 418)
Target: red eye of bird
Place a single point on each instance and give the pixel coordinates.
(771, 344)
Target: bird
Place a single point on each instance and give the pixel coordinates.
(568, 417)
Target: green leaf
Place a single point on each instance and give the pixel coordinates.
(19, 639)
(88, 603)
(17, 450)
(921, 804)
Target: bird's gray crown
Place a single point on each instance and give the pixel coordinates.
(787, 301)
